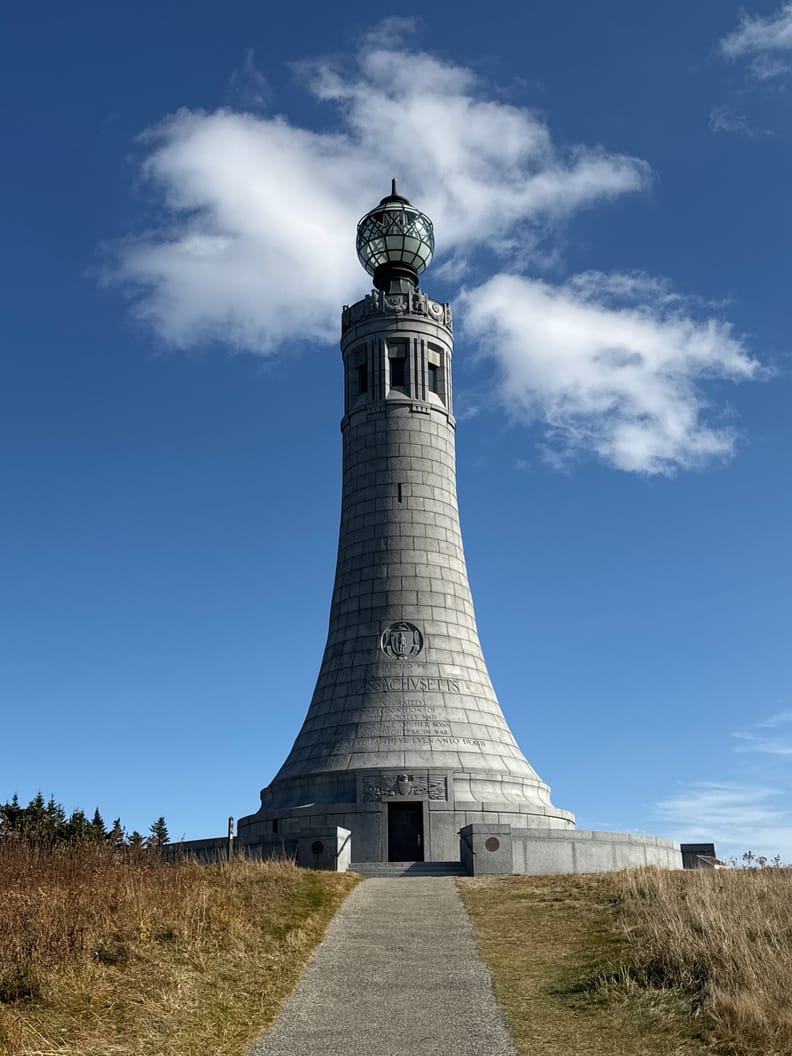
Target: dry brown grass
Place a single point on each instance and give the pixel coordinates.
(724, 938)
(555, 947)
(108, 954)
(641, 963)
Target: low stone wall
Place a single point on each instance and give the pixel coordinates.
(496, 850)
(324, 847)
(215, 849)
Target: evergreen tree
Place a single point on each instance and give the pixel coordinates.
(79, 828)
(96, 828)
(46, 822)
(11, 816)
(35, 823)
(56, 820)
(116, 836)
(159, 833)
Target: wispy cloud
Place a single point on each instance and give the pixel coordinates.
(752, 742)
(759, 740)
(611, 365)
(735, 817)
(749, 811)
(780, 718)
(729, 119)
(255, 250)
(248, 88)
(764, 41)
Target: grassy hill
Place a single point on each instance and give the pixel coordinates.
(105, 952)
(641, 963)
(109, 953)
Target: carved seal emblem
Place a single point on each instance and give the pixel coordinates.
(389, 785)
(402, 641)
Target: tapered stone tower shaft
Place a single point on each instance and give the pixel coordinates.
(404, 741)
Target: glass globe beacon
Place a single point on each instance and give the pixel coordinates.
(395, 240)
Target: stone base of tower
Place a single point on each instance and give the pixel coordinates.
(491, 850)
(440, 816)
(400, 816)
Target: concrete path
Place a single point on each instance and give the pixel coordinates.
(398, 974)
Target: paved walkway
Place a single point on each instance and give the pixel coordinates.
(398, 973)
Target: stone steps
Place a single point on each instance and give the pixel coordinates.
(407, 869)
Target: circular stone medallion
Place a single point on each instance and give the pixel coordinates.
(402, 641)
(492, 844)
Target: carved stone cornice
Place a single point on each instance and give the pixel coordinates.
(397, 304)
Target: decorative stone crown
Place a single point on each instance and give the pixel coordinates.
(379, 303)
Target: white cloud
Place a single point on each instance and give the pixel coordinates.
(757, 740)
(609, 364)
(779, 718)
(736, 818)
(247, 85)
(256, 248)
(751, 742)
(750, 812)
(727, 119)
(763, 40)
(258, 242)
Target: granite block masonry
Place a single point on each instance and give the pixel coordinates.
(404, 743)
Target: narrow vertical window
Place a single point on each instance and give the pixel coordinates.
(362, 373)
(397, 372)
(400, 492)
(434, 370)
(435, 373)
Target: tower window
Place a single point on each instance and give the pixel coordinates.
(362, 374)
(397, 372)
(435, 373)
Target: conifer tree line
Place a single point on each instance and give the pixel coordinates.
(47, 822)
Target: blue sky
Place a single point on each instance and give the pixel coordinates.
(609, 185)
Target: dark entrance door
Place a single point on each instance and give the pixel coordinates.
(405, 832)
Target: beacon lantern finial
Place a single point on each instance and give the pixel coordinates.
(395, 241)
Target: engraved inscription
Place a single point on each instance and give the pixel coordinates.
(378, 729)
(408, 740)
(411, 684)
(395, 712)
(406, 725)
(472, 742)
(429, 728)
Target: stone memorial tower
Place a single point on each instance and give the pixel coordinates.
(404, 742)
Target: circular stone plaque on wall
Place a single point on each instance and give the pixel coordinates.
(402, 641)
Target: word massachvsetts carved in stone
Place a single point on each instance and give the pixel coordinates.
(411, 685)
